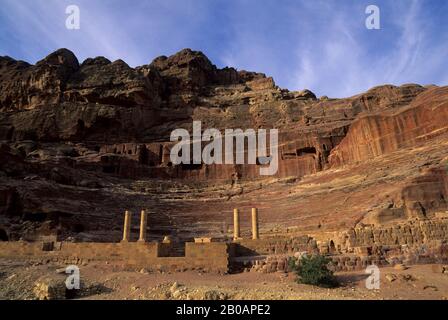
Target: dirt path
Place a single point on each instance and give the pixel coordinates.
(104, 281)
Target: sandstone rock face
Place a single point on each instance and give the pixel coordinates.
(50, 288)
(25, 87)
(379, 133)
(115, 83)
(83, 142)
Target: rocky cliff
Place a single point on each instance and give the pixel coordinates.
(82, 142)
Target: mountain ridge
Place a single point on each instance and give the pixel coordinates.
(82, 142)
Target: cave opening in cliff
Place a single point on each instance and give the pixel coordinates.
(3, 235)
(305, 151)
(190, 167)
(109, 169)
(260, 161)
(143, 155)
(160, 153)
(332, 247)
(10, 133)
(35, 216)
(80, 126)
(78, 228)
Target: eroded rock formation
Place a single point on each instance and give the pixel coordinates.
(83, 142)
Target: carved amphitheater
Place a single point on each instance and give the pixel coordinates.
(86, 175)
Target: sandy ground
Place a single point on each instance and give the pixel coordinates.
(103, 281)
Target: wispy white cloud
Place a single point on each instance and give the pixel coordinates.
(321, 45)
(409, 44)
(44, 25)
(338, 61)
(331, 61)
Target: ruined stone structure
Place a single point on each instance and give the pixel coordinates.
(143, 226)
(255, 235)
(127, 226)
(203, 254)
(364, 178)
(211, 257)
(236, 224)
(413, 242)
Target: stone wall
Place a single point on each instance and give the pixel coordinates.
(271, 246)
(280, 263)
(416, 241)
(409, 233)
(373, 135)
(299, 154)
(424, 241)
(212, 257)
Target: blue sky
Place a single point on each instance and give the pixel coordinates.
(322, 45)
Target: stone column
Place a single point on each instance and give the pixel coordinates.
(143, 220)
(236, 224)
(255, 235)
(127, 226)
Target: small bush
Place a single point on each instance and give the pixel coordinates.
(313, 270)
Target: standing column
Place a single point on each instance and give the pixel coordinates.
(143, 220)
(127, 226)
(236, 224)
(255, 235)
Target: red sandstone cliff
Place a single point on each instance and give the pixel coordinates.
(82, 142)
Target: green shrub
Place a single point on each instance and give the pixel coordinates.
(313, 269)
